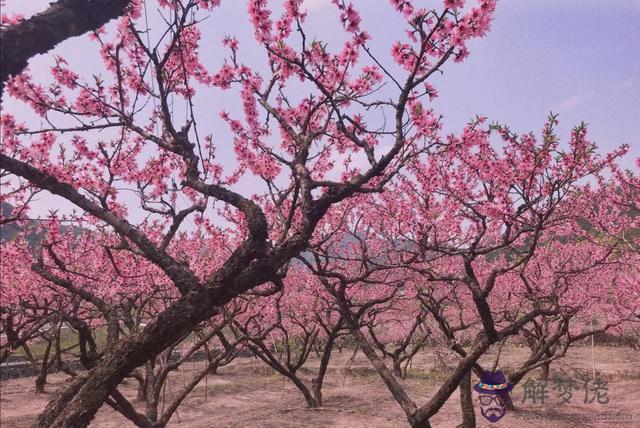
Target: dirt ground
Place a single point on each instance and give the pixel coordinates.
(248, 394)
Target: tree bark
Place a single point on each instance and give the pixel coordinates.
(397, 370)
(76, 406)
(324, 364)
(313, 402)
(395, 388)
(508, 402)
(466, 402)
(42, 32)
(544, 371)
(41, 380)
(61, 398)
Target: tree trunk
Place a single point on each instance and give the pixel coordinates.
(76, 408)
(544, 371)
(41, 380)
(397, 369)
(508, 402)
(453, 380)
(40, 33)
(466, 403)
(322, 370)
(313, 402)
(395, 388)
(143, 384)
(61, 398)
(142, 392)
(419, 424)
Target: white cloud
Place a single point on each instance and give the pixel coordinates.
(314, 5)
(573, 101)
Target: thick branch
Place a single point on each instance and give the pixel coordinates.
(42, 32)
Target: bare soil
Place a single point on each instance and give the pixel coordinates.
(249, 394)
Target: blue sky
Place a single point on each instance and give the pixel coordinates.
(579, 58)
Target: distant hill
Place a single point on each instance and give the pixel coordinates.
(10, 230)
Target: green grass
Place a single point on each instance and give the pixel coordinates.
(68, 339)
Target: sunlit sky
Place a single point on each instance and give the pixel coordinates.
(578, 58)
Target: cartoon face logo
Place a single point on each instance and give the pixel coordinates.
(492, 407)
(492, 393)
